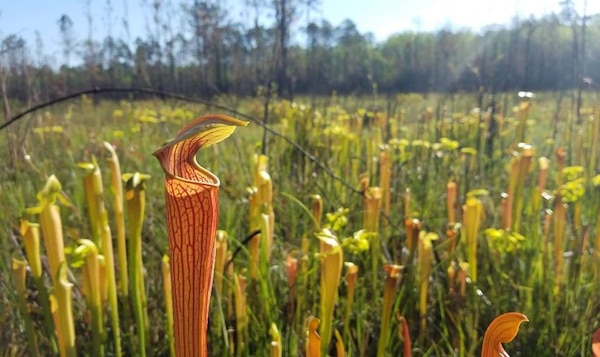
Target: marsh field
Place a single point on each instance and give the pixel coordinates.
(446, 215)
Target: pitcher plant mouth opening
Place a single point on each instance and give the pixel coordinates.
(192, 216)
(178, 156)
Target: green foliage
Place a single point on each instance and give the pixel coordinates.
(516, 269)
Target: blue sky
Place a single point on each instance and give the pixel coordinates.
(381, 17)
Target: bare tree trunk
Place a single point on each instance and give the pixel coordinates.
(581, 66)
(282, 79)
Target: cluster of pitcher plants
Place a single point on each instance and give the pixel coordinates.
(372, 278)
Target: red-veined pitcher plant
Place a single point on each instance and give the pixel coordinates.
(192, 216)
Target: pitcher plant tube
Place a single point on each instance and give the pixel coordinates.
(192, 215)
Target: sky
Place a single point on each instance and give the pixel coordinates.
(380, 17)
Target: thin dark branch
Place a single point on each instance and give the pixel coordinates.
(242, 243)
(208, 103)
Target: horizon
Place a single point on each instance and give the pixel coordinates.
(381, 18)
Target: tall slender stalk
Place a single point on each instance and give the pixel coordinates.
(471, 219)
(166, 273)
(19, 272)
(31, 236)
(136, 205)
(392, 279)
(91, 288)
(332, 259)
(103, 240)
(116, 184)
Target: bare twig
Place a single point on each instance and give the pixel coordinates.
(208, 103)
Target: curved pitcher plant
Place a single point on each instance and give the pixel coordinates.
(192, 215)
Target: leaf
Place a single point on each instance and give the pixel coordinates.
(502, 329)
(208, 129)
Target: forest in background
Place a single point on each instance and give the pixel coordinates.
(197, 49)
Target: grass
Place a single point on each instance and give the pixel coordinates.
(516, 263)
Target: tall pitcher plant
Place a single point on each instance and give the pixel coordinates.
(192, 215)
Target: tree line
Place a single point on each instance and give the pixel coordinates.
(204, 52)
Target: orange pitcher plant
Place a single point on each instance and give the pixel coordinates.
(192, 215)
(502, 329)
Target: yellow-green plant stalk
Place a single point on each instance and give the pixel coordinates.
(340, 350)
(313, 340)
(260, 202)
(266, 192)
(509, 196)
(472, 212)
(102, 238)
(317, 211)
(407, 199)
(393, 277)
(230, 302)
(19, 272)
(506, 209)
(372, 203)
(166, 273)
(52, 233)
(502, 329)
(103, 285)
(135, 194)
(91, 287)
(332, 259)
(597, 238)
(241, 313)
(31, 235)
(525, 158)
(559, 217)
(254, 209)
(64, 313)
(425, 254)
(454, 307)
(51, 225)
(220, 261)
(546, 227)
(276, 347)
(192, 216)
(351, 276)
(92, 178)
(544, 163)
(304, 279)
(385, 177)
(116, 186)
(266, 243)
(461, 277)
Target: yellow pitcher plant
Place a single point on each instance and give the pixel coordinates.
(332, 260)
